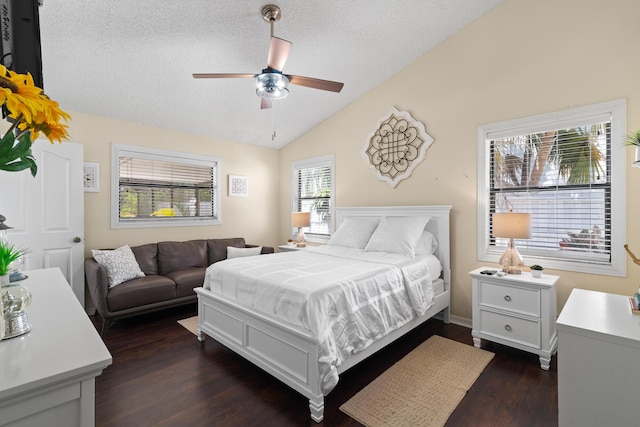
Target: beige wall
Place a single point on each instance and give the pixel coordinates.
(523, 58)
(253, 218)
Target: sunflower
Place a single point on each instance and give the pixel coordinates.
(19, 93)
(32, 112)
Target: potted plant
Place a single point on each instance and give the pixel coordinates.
(8, 254)
(536, 270)
(633, 139)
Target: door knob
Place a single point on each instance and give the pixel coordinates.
(77, 240)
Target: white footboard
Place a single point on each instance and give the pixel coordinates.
(290, 354)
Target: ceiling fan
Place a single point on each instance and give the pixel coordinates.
(271, 83)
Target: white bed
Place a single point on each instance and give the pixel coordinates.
(283, 344)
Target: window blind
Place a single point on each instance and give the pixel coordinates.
(151, 189)
(562, 176)
(314, 184)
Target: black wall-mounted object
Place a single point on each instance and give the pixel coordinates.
(20, 49)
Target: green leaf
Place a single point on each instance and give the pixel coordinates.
(18, 157)
(6, 144)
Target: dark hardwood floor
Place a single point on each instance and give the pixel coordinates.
(162, 376)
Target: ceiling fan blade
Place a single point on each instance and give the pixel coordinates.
(222, 76)
(316, 83)
(278, 53)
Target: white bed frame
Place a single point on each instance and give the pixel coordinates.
(290, 353)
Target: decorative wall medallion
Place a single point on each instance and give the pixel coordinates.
(397, 146)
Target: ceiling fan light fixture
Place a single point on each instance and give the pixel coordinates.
(272, 85)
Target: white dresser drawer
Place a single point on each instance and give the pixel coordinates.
(523, 331)
(510, 298)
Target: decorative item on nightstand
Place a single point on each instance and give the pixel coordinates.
(300, 220)
(536, 270)
(512, 226)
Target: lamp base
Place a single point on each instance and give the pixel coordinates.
(511, 261)
(301, 239)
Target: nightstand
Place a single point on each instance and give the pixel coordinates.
(287, 248)
(516, 310)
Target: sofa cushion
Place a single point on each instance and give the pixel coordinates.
(121, 264)
(147, 256)
(218, 248)
(187, 279)
(141, 291)
(175, 256)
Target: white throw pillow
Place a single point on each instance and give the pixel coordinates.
(398, 235)
(121, 264)
(427, 244)
(354, 232)
(233, 252)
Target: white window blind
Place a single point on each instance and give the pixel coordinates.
(560, 168)
(165, 188)
(561, 177)
(313, 187)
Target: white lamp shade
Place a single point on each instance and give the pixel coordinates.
(512, 225)
(301, 219)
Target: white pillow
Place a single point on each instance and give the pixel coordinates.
(398, 235)
(354, 232)
(121, 264)
(233, 252)
(427, 244)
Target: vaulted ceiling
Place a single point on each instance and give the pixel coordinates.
(134, 60)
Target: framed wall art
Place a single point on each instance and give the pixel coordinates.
(91, 176)
(238, 186)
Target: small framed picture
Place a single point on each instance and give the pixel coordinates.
(238, 186)
(91, 177)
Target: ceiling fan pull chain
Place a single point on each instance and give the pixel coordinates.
(273, 123)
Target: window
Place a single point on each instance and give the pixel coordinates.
(567, 170)
(313, 191)
(156, 188)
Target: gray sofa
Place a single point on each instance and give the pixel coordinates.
(172, 270)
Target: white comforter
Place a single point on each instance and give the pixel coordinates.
(347, 298)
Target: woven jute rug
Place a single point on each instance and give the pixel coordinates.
(190, 324)
(422, 389)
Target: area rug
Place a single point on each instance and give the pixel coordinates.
(422, 389)
(190, 324)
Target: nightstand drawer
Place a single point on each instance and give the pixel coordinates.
(517, 300)
(509, 328)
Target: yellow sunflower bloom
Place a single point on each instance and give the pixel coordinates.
(31, 110)
(20, 95)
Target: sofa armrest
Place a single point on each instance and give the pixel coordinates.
(265, 249)
(96, 280)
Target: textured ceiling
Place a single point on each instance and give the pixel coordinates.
(133, 60)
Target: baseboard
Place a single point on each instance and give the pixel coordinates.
(462, 321)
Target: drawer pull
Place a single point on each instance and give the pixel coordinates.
(507, 298)
(507, 327)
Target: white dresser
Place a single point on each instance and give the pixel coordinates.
(47, 376)
(598, 361)
(515, 310)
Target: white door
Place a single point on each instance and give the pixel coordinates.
(47, 212)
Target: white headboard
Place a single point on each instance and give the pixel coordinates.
(438, 225)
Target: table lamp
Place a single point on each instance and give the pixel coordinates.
(300, 219)
(512, 226)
